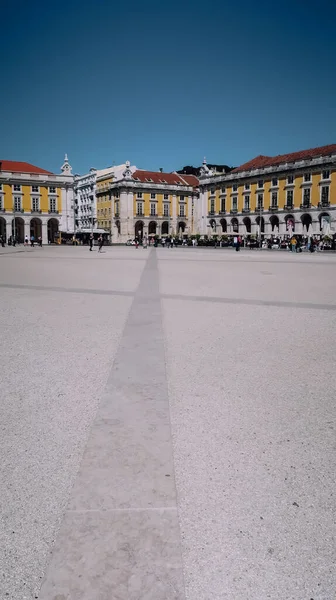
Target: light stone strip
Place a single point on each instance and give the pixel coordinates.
(120, 537)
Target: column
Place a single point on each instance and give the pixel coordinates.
(27, 228)
(8, 228)
(174, 215)
(44, 232)
(123, 211)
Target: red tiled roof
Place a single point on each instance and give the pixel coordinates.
(260, 162)
(14, 166)
(170, 178)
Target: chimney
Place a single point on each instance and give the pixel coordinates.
(161, 170)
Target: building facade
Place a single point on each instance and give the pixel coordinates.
(277, 195)
(148, 203)
(35, 202)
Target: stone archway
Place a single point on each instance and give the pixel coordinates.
(165, 228)
(181, 227)
(262, 227)
(138, 230)
(152, 228)
(223, 225)
(235, 225)
(290, 223)
(325, 222)
(36, 228)
(306, 221)
(274, 221)
(18, 229)
(52, 230)
(247, 223)
(213, 225)
(3, 228)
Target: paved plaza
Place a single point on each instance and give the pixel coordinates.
(167, 424)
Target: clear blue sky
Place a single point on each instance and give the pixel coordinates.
(164, 83)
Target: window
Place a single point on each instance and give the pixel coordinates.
(290, 179)
(35, 188)
(325, 194)
(52, 204)
(212, 191)
(260, 201)
(17, 203)
(182, 207)
(35, 204)
(117, 194)
(166, 210)
(260, 183)
(139, 194)
(139, 208)
(307, 177)
(223, 190)
(153, 209)
(212, 205)
(274, 181)
(247, 186)
(234, 203)
(52, 190)
(289, 198)
(0, 186)
(235, 187)
(274, 199)
(247, 202)
(153, 196)
(306, 197)
(165, 196)
(181, 198)
(223, 205)
(1, 205)
(325, 174)
(17, 188)
(117, 209)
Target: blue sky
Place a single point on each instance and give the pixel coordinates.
(163, 84)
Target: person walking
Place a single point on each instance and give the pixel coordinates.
(2, 241)
(32, 240)
(100, 242)
(26, 240)
(91, 241)
(144, 242)
(293, 244)
(39, 239)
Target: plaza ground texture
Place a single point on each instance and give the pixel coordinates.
(167, 424)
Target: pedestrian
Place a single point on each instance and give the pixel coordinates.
(32, 240)
(2, 241)
(100, 242)
(91, 241)
(136, 243)
(39, 239)
(26, 241)
(144, 242)
(293, 244)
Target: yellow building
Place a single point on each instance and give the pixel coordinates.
(33, 201)
(148, 203)
(291, 192)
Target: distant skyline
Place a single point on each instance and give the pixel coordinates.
(163, 85)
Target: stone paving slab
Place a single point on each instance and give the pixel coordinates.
(172, 442)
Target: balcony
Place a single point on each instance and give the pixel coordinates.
(246, 211)
(324, 204)
(139, 214)
(211, 213)
(259, 209)
(233, 211)
(117, 215)
(273, 208)
(53, 212)
(2, 210)
(305, 205)
(38, 211)
(289, 207)
(222, 212)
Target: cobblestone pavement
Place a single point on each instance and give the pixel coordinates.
(167, 424)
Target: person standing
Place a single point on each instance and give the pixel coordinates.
(100, 242)
(32, 240)
(39, 239)
(91, 241)
(144, 242)
(26, 241)
(2, 241)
